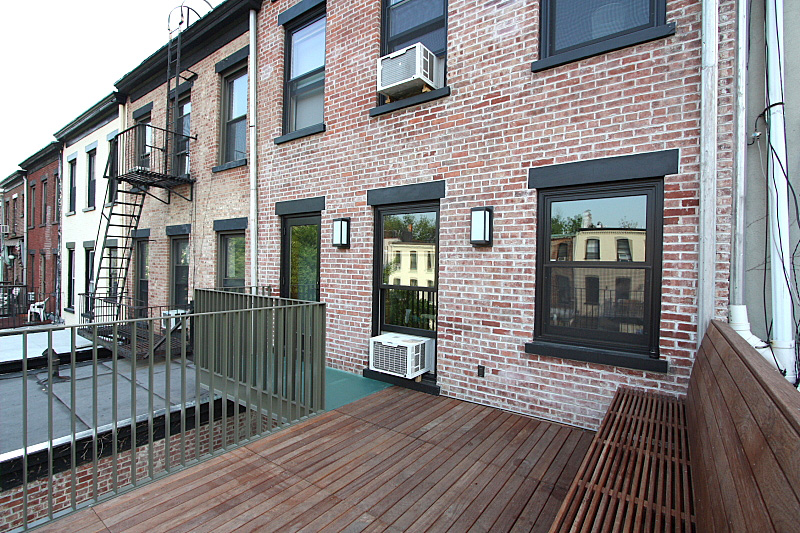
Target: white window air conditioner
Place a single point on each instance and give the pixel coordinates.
(405, 356)
(406, 72)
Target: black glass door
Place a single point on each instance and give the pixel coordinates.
(300, 257)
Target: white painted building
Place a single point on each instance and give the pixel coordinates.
(84, 155)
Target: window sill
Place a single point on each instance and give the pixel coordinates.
(229, 165)
(70, 310)
(597, 355)
(408, 102)
(69, 213)
(87, 209)
(609, 45)
(305, 132)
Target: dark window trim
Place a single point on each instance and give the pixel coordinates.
(410, 101)
(179, 229)
(230, 224)
(182, 89)
(417, 192)
(616, 43)
(606, 170)
(70, 246)
(175, 237)
(298, 134)
(298, 10)
(142, 111)
(644, 356)
(305, 205)
(596, 355)
(141, 234)
(229, 165)
(549, 58)
(225, 111)
(232, 61)
(88, 244)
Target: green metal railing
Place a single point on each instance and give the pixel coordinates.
(90, 424)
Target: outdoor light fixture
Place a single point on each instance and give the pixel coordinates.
(341, 232)
(481, 226)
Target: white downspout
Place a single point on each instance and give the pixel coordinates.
(737, 311)
(252, 76)
(780, 257)
(707, 259)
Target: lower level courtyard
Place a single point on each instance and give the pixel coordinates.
(396, 460)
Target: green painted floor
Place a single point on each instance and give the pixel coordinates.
(342, 388)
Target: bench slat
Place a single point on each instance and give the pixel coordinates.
(627, 480)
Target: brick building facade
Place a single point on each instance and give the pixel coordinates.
(13, 252)
(42, 170)
(511, 129)
(571, 128)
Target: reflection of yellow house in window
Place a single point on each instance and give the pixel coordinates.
(417, 261)
(614, 244)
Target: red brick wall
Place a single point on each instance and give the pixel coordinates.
(44, 236)
(219, 195)
(499, 121)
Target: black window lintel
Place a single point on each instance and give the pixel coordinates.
(417, 192)
(305, 205)
(232, 60)
(142, 111)
(230, 224)
(298, 10)
(179, 229)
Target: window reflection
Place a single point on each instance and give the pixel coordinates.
(599, 229)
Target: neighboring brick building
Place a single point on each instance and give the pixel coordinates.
(13, 241)
(42, 172)
(547, 110)
(184, 228)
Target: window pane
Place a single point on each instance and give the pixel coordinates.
(410, 308)
(579, 21)
(237, 97)
(180, 272)
(435, 41)
(307, 102)
(591, 229)
(304, 262)
(602, 299)
(404, 16)
(236, 140)
(233, 257)
(308, 48)
(408, 234)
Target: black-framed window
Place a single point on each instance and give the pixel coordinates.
(234, 131)
(574, 29)
(409, 306)
(73, 168)
(91, 178)
(179, 272)
(406, 22)
(144, 141)
(88, 281)
(32, 206)
(71, 278)
(231, 260)
(594, 298)
(182, 126)
(44, 203)
(304, 73)
(142, 276)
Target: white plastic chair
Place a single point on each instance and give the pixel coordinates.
(37, 308)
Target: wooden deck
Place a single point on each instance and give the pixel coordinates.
(395, 461)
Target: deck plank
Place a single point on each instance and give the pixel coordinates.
(396, 460)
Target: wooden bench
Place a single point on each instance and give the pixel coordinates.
(725, 458)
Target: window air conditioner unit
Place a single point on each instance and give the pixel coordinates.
(407, 72)
(405, 356)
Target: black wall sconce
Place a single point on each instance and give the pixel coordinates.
(341, 232)
(481, 226)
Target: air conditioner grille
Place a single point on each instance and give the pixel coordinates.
(399, 68)
(389, 358)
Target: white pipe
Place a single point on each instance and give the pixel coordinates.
(252, 76)
(706, 293)
(739, 158)
(777, 187)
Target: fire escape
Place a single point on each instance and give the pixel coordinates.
(143, 160)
